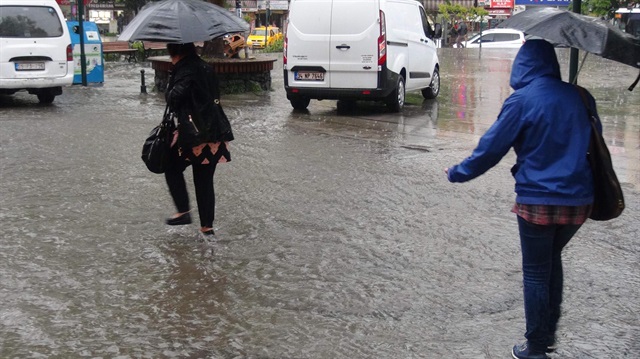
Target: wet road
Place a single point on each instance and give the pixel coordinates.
(339, 236)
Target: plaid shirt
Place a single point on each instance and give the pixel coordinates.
(546, 215)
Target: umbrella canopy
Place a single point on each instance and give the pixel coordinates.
(586, 33)
(182, 21)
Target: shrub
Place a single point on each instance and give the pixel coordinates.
(277, 46)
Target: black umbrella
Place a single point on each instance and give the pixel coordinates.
(586, 33)
(182, 21)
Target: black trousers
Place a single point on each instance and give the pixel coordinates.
(203, 182)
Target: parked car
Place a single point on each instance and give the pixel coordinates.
(497, 38)
(35, 49)
(256, 39)
(350, 50)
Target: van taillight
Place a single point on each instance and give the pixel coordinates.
(382, 41)
(284, 51)
(69, 53)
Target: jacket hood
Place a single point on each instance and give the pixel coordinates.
(536, 58)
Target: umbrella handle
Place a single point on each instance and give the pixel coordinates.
(634, 82)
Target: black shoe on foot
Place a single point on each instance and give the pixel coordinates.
(209, 232)
(523, 351)
(180, 220)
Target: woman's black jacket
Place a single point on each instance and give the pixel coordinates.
(193, 95)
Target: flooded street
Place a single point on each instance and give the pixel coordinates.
(338, 235)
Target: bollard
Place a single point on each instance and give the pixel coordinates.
(143, 88)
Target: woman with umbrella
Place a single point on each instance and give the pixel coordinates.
(554, 183)
(193, 95)
(202, 136)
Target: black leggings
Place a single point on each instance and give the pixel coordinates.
(203, 182)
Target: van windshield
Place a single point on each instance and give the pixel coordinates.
(29, 21)
(258, 32)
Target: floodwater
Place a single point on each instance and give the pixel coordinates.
(338, 236)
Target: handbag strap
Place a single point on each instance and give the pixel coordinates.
(168, 115)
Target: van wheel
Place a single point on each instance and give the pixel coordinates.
(300, 103)
(46, 97)
(434, 88)
(395, 102)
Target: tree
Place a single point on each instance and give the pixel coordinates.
(457, 11)
(133, 6)
(599, 7)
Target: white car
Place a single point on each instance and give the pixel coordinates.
(35, 49)
(497, 38)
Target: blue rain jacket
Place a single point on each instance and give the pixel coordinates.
(547, 124)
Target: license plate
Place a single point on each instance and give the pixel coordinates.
(29, 66)
(309, 76)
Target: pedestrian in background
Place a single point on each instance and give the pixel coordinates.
(462, 32)
(201, 139)
(554, 186)
(453, 35)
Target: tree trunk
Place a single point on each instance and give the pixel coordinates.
(214, 48)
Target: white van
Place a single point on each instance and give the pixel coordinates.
(351, 50)
(35, 48)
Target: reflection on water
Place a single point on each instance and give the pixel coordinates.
(475, 83)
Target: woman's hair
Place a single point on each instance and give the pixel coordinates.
(181, 49)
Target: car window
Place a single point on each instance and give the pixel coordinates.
(428, 31)
(485, 38)
(506, 37)
(29, 21)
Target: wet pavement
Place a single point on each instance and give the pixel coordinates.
(338, 235)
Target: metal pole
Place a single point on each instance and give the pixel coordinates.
(266, 23)
(239, 13)
(480, 33)
(143, 87)
(573, 57)
(83, 57)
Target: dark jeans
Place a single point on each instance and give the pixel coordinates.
(203, 182)
(542, 278)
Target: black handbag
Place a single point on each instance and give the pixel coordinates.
(608, 200)
(157, 147)
(221, 123)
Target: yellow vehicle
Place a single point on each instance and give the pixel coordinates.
(256, 39)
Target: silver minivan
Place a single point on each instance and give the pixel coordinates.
(35, 49)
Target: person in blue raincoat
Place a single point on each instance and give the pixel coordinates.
(547, 124)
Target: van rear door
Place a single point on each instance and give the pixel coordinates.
(353, 49)
(34, 43)
(308, 34)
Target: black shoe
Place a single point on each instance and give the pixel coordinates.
(180, 220)
(523, 351)
(209, 232)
